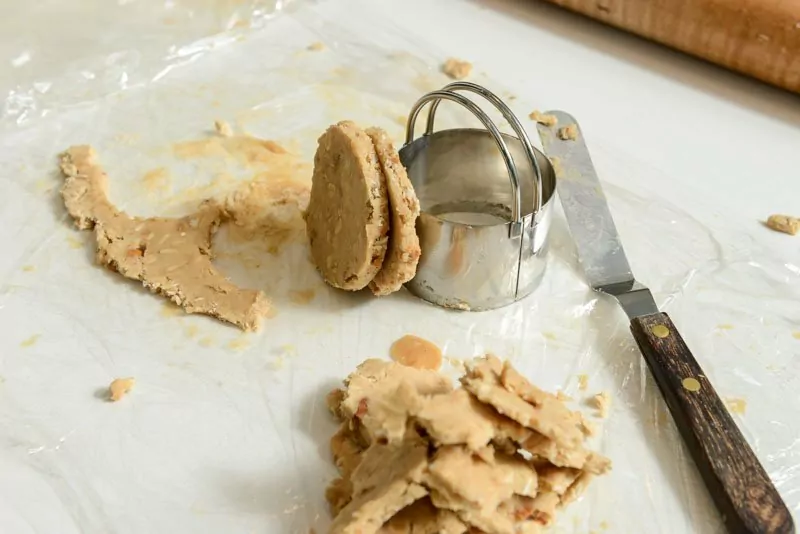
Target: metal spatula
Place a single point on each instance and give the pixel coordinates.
(739, 486)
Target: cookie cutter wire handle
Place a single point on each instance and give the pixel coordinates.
(515, 230)
(515, 125)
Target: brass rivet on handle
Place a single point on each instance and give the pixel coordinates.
(691, 384)
(660, 330)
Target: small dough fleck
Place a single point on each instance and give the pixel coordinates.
(784, 223)
(568, 133)
(316, 46)
(602, 402)
(457, 69)
(543, 118)
(414, 351)
(171, 257)
(347, 219)
(736, 405)
(223, 128)
(119, 387)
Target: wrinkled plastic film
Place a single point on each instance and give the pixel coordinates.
(225, 431)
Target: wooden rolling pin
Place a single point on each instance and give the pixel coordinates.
(760, 38)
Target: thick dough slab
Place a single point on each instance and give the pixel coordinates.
(400, 264)
(171, 257)
(347, 220)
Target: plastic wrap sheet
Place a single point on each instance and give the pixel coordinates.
(229, 433)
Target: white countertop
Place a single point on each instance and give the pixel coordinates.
(230, 434)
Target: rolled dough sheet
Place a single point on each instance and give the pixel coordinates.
(171, 257)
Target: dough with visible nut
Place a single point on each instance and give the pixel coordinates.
(347, 219)
(400, 264)
(171, 257)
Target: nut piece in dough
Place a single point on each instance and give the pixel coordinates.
(171, 257)
(400, 264)
(119, 387)
(784, 223)
(457, 69)
(347, 219)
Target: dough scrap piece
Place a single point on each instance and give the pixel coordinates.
(386, 481)
(423, 517)
(347, 219)
(457, 69)
(456, 471)
(381, 395)
(784, 223)
(171, 257)
(459, 418)
(400, 264)
(512, 395)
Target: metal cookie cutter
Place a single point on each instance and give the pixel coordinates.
(483, 241)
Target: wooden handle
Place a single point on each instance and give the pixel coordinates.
(760, 38)
(740, 487)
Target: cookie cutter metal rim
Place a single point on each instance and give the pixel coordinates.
(421, 286)
(435, 97)
(515, 125)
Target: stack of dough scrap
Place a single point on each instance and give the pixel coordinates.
(362, 212)
(415, 455)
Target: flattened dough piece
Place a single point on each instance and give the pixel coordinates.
(400, 264)
(458, 418)
(382, 395)
(456, 471)
(347, 219)
(423, 517)
(171, 257)
(385, 482)
(512, 395)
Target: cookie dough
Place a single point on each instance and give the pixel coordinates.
(543, 118)
(417, 457)
(784, 223)
(120, 387)
(400, 264)
(347, 219)
(568, 132)
(457, 69)
(171, 257)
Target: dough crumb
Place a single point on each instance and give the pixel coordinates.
(316, 47)
(223, 128)
(119, 387)
(784, 223)
(542, 118)
(602, 402)
(568, 133)
(417, 456)
(413, 351)
(457, 69)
